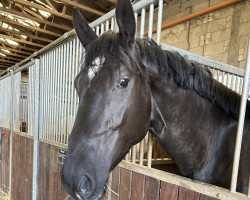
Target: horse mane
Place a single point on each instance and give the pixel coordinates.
(187, 74)
(191, 75)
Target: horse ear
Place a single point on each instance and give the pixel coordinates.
(83, 31)
(125, 19)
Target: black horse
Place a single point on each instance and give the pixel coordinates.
(128, 86)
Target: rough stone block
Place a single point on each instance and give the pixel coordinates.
(215, 2)
(213, 49)
(218, 24)
(244, 28)
(240, 57)
(195, 2)
(226, 43)
(197, 50)
(243, 41)
(242, 64)
(172, 37)
(241, 51)
(221, 57)
(224, 12)
(219, 36)
(183, 45)
(245, 16)
(200, 6)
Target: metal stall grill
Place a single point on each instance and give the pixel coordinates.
(51, 95)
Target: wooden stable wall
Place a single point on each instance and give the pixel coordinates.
(22, 167)
(49, 180)
(129, 185)
(4, 165)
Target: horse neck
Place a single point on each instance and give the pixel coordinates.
(183, 123)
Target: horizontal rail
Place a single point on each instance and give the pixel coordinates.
(197, 186)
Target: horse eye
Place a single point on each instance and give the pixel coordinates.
(123, 82)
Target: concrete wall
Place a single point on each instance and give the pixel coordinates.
(221, 35)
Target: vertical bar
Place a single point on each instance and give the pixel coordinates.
(227, 80)
(241, 84)
(112, 23)
(69, 88)
(53, 94)
(141, 152)
(136, 17)
(57, 118)
(63, 94)
(243, 104)
(232, 81)
(72, 85)
(159, 23)
(97, 30)
(134, 154)
(223, 77)
(236, 84)
(143, 13)
(36, 128)
(66, 94)
(102, 28)
(107, 25)
(248, 195)
(218, 75)
(151, 20)
(12, 113)
(150, 147)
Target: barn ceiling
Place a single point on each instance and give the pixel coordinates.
(28, 25)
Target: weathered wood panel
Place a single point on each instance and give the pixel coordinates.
(22, 167)
(4, 166)
(137, 188)
(125, 184)
(169, 191)
(49, 178)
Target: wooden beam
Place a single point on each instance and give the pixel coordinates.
(7, 61)
(34, 5)
(51, 5)
(31, 12)
(112, 1)
(15, 50)
(24, 33)
(19, 46)
(11, 59)
(26, 16)
(21, 41)
(2, 66)
(12, 54)
(9, 21)
(82, 7)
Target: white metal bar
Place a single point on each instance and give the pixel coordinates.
(143, 13)
(102, 28)
(107, 25)
(141, 152)
(159, 23)
(53, 94)
(97, 31)
(36, 129)
(136, 20)
(112, 23)
(151, 20)
(243, 104)
(150, 148)
(12, 114)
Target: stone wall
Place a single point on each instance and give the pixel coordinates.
(221, 35)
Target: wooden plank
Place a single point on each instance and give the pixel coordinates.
(15, 50)
(205, 197)
(169, 191)
(125, 184)
(137, 189)
(34, 5)
(152, 188)
(186, 194)
(115, 183)
(43, 178)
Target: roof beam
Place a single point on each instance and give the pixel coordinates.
(15, 50)
(9, 21)
(7, 61)
(21, 41)
(2, 66)
(11, 59)
(31, 12)
(82, 7)
(24, 33)
(34, 5)
(12, 54)
(19, 46)
(26, 16)
(51, 5)
(112, 1)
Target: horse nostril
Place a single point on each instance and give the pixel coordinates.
(84, 187)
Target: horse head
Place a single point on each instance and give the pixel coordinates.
(114, 105)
